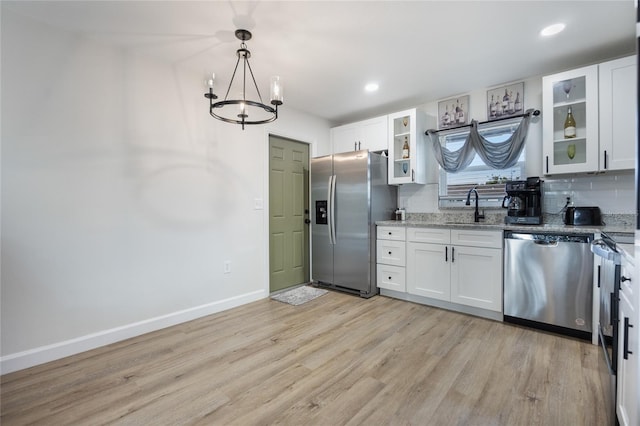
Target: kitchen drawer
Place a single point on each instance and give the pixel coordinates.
(396, 233)
(391, 277)
(429, 235)
(474, 238)
(390, 252)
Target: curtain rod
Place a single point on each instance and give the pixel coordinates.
(535, 113)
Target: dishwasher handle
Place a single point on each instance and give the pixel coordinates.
(546, 243)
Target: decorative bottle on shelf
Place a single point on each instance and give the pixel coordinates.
(492, 108)
(569, 125)
(405, 148)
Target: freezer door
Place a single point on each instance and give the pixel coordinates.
(321, 247)
(352, 219)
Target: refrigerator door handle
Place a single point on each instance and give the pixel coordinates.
(332, 210)
(329, 205)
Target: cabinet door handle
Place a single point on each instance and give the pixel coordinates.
(391, 233)
(389, 278)
(605, 159)
(598, 276)
(627, 326)
(623, 279)
(547, 164)
(446, 253)
(389, 253)
(453, 254)
(359, 146)
(355, 146)
(413, 175)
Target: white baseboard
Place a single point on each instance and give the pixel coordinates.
(40, 355)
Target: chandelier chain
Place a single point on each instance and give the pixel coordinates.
(254, 81)
(226, 96)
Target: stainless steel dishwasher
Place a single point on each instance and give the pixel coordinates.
(548, 281)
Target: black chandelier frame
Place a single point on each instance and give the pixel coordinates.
(243, 118)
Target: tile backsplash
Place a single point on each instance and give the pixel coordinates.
(613, 192)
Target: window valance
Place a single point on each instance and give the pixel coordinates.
(499, 155)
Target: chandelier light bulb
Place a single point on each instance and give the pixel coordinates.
(208, 82)
(276, 90)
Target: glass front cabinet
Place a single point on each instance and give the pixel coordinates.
(407, 163)
(570, 121)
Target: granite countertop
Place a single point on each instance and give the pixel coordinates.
(457, 222)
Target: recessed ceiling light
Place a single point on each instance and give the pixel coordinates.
(371, 87)
(552, 29)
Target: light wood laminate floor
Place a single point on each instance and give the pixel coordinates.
(336, 360)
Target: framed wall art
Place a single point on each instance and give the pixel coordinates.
(453, 112)
(506, 101)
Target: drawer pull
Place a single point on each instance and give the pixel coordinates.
(390, 233)
(389, 278)
(389, 253)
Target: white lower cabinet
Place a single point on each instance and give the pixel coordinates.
(627, 409)
(390, 277)
(458, 266)
(390, 258)
(476, 277)
(428, 273)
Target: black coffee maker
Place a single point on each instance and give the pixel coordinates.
(523, 201)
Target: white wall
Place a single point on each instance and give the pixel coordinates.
(121, 196)
(613, 192)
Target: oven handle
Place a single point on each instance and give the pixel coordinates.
(614, 308)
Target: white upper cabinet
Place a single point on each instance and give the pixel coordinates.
(407, 155)
(575, 91)
(618, 81)
(602, 102)
(368, 134)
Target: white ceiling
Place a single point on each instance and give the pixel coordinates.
(325, 51)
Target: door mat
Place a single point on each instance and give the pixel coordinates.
(299, 295)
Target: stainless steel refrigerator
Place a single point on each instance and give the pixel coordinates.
(349, 194)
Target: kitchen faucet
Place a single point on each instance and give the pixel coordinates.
(476, 214)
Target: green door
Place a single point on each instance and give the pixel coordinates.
(288, 213)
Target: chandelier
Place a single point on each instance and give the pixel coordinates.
(243, 110)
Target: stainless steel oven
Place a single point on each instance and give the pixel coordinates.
(608, 281)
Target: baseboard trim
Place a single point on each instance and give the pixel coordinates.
(52, 352)
(470, 310)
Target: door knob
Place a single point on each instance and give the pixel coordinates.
(307, 221)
